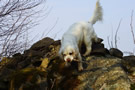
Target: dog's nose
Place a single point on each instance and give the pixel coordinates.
(68, 60)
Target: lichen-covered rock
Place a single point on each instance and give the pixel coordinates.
(99, 72)
(28, 79)
(40, 68)
(129, 63)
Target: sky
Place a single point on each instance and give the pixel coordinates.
(63, 13)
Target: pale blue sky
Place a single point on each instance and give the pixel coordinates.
(70, 11)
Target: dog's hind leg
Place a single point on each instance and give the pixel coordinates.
(95, 38)
(88, 44)
(88, 50)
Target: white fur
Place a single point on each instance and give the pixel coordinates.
(78, 33)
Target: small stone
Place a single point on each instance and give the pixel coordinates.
(116, 52)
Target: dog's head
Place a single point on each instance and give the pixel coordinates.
(68, 53)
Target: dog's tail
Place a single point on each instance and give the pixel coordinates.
(97, 15)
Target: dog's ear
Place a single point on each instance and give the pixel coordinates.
(76, 51)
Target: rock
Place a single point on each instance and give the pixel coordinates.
(98, 49)
(4, 78)
(100, 71)
(23, 64)
(3, 86)
(116, 52)
(46, 42)
(42, 47)
(129, 63)
(4, 61)
(28, 79)
(40, 68)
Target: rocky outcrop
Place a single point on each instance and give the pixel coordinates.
(40, 68)
(100, 72)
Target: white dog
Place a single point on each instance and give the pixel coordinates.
(78, 33)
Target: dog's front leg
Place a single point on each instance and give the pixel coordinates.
(80, 67)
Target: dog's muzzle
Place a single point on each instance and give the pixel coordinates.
(68, 60)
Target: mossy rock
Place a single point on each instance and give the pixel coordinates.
(28, 79)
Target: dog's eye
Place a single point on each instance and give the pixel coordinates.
(64, 54)
(70, 53)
